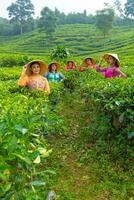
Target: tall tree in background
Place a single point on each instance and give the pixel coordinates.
(129, 8)
(118, 7)
(104, 20)
(48, 21)
(61, 17)
(20, 12)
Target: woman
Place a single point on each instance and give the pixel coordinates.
(53, 75)
(70, 66)
(32, 78)
(112, 70)
(88, 63)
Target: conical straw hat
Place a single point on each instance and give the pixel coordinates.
(105, 57)
(43, 67)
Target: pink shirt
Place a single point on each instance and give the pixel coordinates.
(108, 72)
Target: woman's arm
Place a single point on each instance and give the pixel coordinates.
(62, 76)
(23, 80)
(99, 69)
(119, 73)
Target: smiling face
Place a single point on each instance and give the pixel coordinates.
(53, 67)
(111, 60)
(70, 64)
(35, 68)
(89, 61)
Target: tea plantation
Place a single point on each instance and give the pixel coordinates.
(79, 39)
(77, 142)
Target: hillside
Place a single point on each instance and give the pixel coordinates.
(79, 39)
(76, 143)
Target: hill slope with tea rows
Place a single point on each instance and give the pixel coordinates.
(78, 142)
(79, 39)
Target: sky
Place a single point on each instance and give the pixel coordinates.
(65, 6)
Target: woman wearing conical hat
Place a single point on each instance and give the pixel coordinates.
(53, 74)
(32, 76)
(70, 65)
(112, 70)
(88, 63)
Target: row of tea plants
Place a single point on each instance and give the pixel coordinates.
(27, 117)
(25, 121)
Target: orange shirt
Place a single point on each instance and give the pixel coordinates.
(34, 82)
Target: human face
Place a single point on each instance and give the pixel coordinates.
(53, 67)
(89, 62)
(35, 68)
(111, 60)
(70, 64)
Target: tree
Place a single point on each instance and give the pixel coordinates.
(48, 21)
(61, 17)
(104, 20)
(129, 8)
(6, 28)
(118, 7)
(20, 12)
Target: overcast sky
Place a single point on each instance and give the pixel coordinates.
(63, 5)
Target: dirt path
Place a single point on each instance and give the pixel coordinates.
(72, 179)
(76, 180)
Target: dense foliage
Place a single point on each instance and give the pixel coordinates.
(104, 20)
(27, 117)
(59, 53)
(21, 13)
(47, 21)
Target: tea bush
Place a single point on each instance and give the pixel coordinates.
(110, 103)
(13, 60)
(26, 119)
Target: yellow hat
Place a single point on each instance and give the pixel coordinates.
(56, 63)
(105, 57)
(92, 60)
(43, 67)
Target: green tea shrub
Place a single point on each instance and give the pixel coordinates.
(110, 102)
(26, 119)
(11, 60)
(60, 52)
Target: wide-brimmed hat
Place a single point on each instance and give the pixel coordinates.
(105, 57)
(43, 67)
(56, 63)
(71, 62)
(92, 60)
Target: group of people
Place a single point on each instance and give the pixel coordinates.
(37, 75)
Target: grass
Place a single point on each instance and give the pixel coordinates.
(81, 173)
